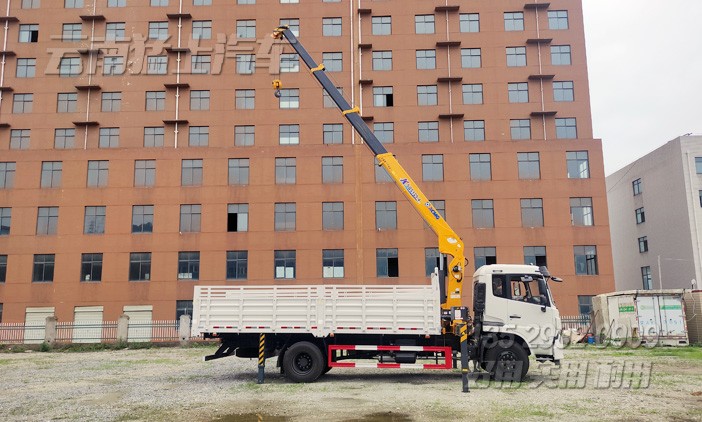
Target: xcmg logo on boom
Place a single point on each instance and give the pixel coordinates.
(410, 190)
(432, 210)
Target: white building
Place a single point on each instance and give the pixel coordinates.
(655, 214)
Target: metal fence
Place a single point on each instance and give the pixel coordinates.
(579, 323)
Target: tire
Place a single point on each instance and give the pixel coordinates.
(303, 362)
(507, 362)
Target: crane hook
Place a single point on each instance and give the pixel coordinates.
(277, 85)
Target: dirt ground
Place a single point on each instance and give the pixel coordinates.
(174, 384)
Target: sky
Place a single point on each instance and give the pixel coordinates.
(645, 69)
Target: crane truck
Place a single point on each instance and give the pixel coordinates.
(314, 328)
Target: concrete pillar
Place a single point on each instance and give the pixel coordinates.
(50, 332)
(184, 329)
(123, 328)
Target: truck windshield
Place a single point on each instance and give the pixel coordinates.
(529, 288)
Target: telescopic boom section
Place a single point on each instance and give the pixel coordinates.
(449, 242)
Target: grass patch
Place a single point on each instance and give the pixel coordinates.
(515, 413)
(686, 352)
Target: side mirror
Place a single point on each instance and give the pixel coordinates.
(544, 271)
(556, 279)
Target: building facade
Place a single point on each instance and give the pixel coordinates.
(143, 150)
(655, 209)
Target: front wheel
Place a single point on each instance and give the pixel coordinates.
(507, 362)
(303, 362)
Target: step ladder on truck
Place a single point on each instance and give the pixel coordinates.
(314, 328)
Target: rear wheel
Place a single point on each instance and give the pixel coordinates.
(303, 362)
(507, 362)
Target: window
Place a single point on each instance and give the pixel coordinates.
(578, 165)
(483, 213)
(29, 33)
(289, 134)
(5, 221)
(289, 98)
(238, 217)
(109, 137)
(646, 278)
(643, 244)
(386, 215)
(529, 165)
(158, 30)
(289, 63)
(111, 101)
(157, 3)
(7, 175)
(431, 260)
(73, 4)
(332, 215)
(640, 215)
(191, 173)
(94, 221)
(385, 132)
(139, 266)
(51, 174)
(520, 129)
(333, 263)
(30, 4)
(43, 271)
(585, 260)
(155, 100)
(188, 265)
(332, 133)
(382, 60)
(97, 173)
(292, 24)
(245, 99)
(484, 256)
(244, 136)
(19, 138)
(382, 96)
(285, 170)
(70, 66)
(284, 264)
(637, 186)
(144, 173)
(331, 27)
(198, 136)
(332, 169)
(581, 213)
(386, 262)
(116, 3)
(560, 55)
(381, 25)
(190, 217)
(66, 102)
(563, 91)
(153, 136)
(22, 103)
(47, 220)
(472, 93)
(3, 275)
(114, 31)
(516, 56)
(71, 32)
(427, 95)
(328, 100)
(585, 304)
(535, 255)
(471, 58)
(557, 19)
(156, 65)
(142, 219)
(469, 22)
(433, 168)
(474, 130)
(26, 68)
(566, 128)
(284, 217)
(200, 64)
(428, 131)
(518, 92)
(514, 21)
(480, 167)
(64, 138)
(424, 24)
(185, 307)
(202, 30)
(246, 29)
(238, 171)
(532, 212)
(237, 265)
(333, 62)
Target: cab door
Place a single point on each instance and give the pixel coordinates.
(530, 312)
